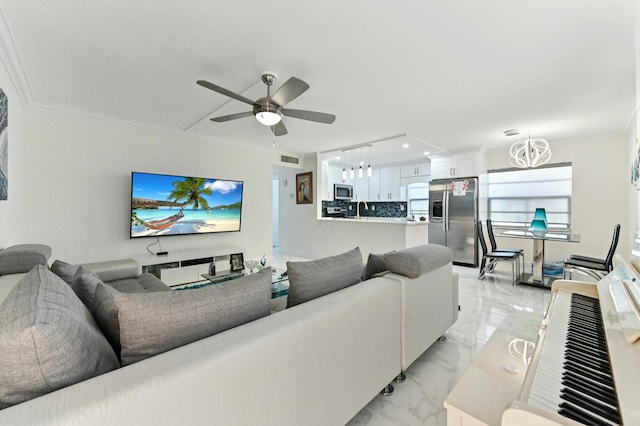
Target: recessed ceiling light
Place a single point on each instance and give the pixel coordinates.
(511, 132)
(426, 153)
(337, 157)
(405, 145)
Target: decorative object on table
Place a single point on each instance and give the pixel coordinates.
(263, 261)
(539, 225)
(237, 262)
(252, 265)
(304, 188)
(530, 153)
(212, 268)
(541, 214)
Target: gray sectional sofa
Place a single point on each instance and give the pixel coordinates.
(319, 361)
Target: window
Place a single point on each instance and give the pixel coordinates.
(514, 194)
(418, 197)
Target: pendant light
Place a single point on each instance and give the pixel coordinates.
(344, 168)
(530, 153)
(360, 163)
(369, 171)
(352, 174)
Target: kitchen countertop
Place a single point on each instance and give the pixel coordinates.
(386, 220)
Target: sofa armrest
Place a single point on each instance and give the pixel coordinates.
(113, 270)
(429, 308)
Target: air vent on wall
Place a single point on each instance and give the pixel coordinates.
(287, 159)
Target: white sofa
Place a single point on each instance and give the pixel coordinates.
(318, 362)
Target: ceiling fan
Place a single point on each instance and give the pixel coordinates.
(269, 109)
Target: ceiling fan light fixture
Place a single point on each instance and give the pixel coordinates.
(268, 118)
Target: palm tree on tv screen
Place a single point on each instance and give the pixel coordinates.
(190, 192)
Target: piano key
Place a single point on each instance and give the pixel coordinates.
(594, 375)
(591, 391)
(579, 415)
(591, 406)
(574, 364)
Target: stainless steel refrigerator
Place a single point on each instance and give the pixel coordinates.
(453, 211)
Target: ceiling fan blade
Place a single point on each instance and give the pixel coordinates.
(290, 90)
(230, 117)
(279, 129)
(224, 91)
(320, 117)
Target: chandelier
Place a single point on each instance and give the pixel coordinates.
(530, 153)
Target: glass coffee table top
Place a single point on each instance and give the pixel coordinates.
(279, 280)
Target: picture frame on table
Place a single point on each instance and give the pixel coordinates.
(237, 262)
(304, 188)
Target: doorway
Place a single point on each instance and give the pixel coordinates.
(275, 210)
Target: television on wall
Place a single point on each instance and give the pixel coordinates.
(183, 205)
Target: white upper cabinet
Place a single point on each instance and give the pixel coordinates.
(411, 170)
(390, 184)
(330, 176)
(457, 165)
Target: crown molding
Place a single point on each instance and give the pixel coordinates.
(632, 119)
(138, 125)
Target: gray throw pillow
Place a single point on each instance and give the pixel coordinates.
(64, 270)
(376, 264)
(311, 279)
(84, 285)
(48, 339)
(147, 324)
(415, 261)
(22, 258)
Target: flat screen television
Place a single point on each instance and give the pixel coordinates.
(182, 205)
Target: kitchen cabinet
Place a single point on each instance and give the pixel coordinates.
(411, 170)
(361, 188)
(330, 176)
(389, 184)
(458, 165)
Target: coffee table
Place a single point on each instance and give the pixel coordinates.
(279, 280)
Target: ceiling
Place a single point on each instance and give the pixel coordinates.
(450, 74)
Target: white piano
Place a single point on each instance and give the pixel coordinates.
(583, 369)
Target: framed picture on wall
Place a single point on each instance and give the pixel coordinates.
(304, 188)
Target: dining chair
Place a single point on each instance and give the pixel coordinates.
(593, 266)
(494, 245)
(494, 257)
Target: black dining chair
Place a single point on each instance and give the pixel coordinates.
(494, 257)
(494, 245)
(593, 266)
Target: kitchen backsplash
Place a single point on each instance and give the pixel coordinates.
(376, 209)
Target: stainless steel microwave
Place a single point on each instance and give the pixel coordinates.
(342, 192)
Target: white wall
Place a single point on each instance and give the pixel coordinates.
(70, 188)
(303, 235)
(600, 197)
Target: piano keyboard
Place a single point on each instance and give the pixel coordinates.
(574, 376)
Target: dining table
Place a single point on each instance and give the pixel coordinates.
(537, 277)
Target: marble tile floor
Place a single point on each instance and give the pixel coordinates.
(486, 305)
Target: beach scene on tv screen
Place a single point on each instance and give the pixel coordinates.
(176, 205)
